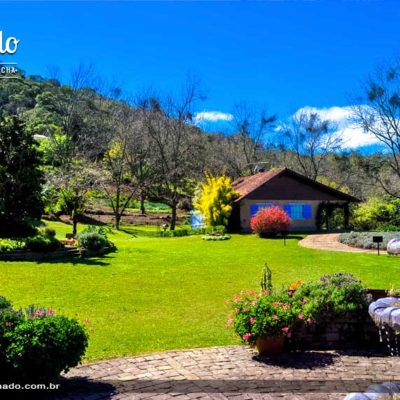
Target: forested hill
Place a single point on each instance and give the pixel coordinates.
(83, 122)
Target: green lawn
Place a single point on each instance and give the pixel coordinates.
(165, 293)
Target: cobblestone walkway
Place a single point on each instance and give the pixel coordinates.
(233, 372)
(330, 242)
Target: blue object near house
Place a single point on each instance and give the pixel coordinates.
(196, 220)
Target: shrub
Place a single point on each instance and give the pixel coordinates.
(41, 243)
(275, 314)
(215, 199)
(9, 319)
(364, 239)
(41, 348)
(95, 240)
(10, 245)
(49, 232)
(270, 221)
(334, 296)
(38, 345)
(376, 212)
(4, 304)
(389, 228)
(283, 312)
(92, 241)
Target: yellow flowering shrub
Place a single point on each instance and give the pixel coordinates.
(214, 200)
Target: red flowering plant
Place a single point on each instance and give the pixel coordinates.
(267, 314)
(270, 222)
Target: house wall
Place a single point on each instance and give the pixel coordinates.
(297, 225)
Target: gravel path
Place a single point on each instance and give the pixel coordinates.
(330, 242)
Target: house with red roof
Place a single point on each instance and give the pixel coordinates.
(308, 203)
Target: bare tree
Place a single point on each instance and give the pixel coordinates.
(251, 127)
(139, 156)
(175, 145)
(112, 169)
(311, 140)
(378, 113)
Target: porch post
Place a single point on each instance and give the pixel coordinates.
(346, 212)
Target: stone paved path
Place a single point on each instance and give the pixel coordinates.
(330, 242)
(232, 372)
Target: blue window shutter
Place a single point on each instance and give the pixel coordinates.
(287, 210)
(307, 211)
(253, 210)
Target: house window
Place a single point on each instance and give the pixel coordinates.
(298, 211)
(255, 208)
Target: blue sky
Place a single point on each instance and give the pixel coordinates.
(279, 55)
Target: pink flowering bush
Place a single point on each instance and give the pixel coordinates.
(37, 345)
(267, 314)
(270, 222)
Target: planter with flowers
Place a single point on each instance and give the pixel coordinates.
(266, 319)
(329, 313)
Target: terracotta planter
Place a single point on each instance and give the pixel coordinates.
(270, 345)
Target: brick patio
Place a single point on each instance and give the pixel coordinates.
(233, 372)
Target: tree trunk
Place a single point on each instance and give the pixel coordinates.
(117, 215)
(173, 217)
(117, 221)
(74, 224)
(142, 207)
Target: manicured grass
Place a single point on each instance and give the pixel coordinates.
(165, 293)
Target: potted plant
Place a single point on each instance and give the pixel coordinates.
(265, 319)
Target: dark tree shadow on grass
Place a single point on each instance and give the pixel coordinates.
(299, 360)
(104, 261)
(294, 236)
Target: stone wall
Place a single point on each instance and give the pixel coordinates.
(344, 333)
(23, 255)
(354, 331)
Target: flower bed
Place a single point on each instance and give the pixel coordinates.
(363, 240)
(44, 245)
(215, 237)
(331, 313)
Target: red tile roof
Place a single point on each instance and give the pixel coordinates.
(247, 184)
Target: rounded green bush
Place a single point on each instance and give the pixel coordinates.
(41, 348)
(334, 296)
(49, 232)
(92, 240)
(41, 243)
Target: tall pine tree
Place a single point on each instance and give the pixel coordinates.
(20, 179)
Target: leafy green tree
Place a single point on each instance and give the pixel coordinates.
(74, 184)
(20, 179)
(376, 212)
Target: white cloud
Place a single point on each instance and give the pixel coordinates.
(352, 135)
(212, 116)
